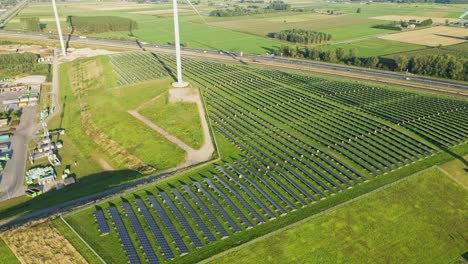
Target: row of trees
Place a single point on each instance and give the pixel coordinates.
(101, 24)
(303, 36)
(30, 24)
(236, 11)
(251, 10)
(279, 5)
(14, 64)
(445, 66)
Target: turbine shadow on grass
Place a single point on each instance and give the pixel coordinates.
(87, 189)
(169, 71)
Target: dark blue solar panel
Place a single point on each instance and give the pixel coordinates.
(247, 191)
(183, 222)
(123, 235)
(240, 198)
(198, 221)
(229, 202)
(218, 207)
(260, 190)
(207, 211)
(166, 250)
(142, 239)
(169, 225)
(267, 184)
(101, 221)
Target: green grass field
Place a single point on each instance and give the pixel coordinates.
(420, 220)
(6, 256)
(179, 119)
(376, 47)
(75, 241)
(108, 107)
(457, 50)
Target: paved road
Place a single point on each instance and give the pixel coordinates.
(13, 174)
(328, 66)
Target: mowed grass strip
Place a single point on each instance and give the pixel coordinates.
(179, 119)
(420, 220)
(6, 256)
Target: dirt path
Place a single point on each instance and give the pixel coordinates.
(194, 156)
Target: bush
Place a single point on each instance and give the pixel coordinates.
(100, 24)
(303, 36)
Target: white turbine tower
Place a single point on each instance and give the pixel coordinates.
(59, 29)
(179, 83)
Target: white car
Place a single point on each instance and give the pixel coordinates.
(83, 37)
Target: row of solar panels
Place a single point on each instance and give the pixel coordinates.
(169, 225)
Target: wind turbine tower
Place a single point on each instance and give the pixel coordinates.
(179, 83)
(59, 29)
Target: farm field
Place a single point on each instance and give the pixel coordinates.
(419, 220)
(376, 47)
(291, 145)
(431, 36)
(457, 50)
(242, 33)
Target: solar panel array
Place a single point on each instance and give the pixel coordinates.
(166, 250)
(207, 211)
(123, 235)
(141, 236)
(101, 221)
(295, 148)
(183, 222)
(169, 225)
(198, 221)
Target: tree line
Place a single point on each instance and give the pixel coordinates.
(251, 10)
(30, 24)
(14, 64)
(445, 66)
(100, 24)
(303, 36)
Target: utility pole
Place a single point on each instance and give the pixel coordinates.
(180, 83)
(59, 29)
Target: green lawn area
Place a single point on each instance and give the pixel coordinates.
(179, 119)
(75, 241)
(420, 220)
(108, 107)
(6, 256)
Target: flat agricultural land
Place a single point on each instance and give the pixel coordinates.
(241, 33)
(377, 47)
(419, 220)
(457, 50)
(437, 20)
(435, 36)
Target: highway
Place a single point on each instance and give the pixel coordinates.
(339, 69)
